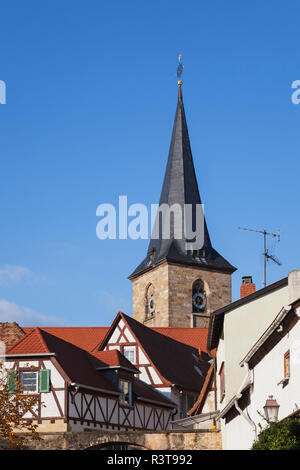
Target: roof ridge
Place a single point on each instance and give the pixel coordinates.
(40, 335)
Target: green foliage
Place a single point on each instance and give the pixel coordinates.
(283, 435)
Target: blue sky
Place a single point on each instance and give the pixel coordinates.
(91, 97)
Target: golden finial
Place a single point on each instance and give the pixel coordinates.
(179, 70)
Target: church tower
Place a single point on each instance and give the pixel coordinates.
(174, 286)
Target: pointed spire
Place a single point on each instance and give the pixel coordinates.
(180, 187)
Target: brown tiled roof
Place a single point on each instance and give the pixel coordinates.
(113, 358)
(195, 337)
(144, 391)
(177, 363)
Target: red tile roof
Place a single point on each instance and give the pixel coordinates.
(31, 343)
(88, 337)
(85, 337)
(172, 350)
(80, 366)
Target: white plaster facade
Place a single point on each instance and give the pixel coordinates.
(267, 376)
(242, 328)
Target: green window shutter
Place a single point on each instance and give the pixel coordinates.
(11, 381)
(44, 380)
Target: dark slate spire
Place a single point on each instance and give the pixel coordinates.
(180, 187)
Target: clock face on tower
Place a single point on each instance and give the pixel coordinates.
(199, 300)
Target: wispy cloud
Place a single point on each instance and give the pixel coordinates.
(9, 312)
(10, 273)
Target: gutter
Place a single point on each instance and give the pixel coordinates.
(109, 392)
(118, 367)
(30, 355)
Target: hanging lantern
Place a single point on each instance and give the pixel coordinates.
(271, 409)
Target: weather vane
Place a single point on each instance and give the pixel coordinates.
(179, 70)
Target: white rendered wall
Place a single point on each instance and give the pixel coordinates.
(266, 377)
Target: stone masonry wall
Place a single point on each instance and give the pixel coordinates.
(157, 276)
(181, 279)
(170, 440)
(173, 293)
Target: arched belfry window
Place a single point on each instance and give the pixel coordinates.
(149, 302)
(198, 296)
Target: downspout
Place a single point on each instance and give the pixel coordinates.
(238, 396)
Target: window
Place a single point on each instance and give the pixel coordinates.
(222, 381)
(29, 381)
(126, 388)
(287, 370)
(129, 353)
(149, 302)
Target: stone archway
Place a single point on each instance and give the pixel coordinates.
(117, 445)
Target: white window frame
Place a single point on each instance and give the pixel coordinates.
(130, 349)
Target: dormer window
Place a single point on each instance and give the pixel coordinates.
(126, 388)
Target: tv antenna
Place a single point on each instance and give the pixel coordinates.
(267, 255)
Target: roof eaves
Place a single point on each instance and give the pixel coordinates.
(88, 387)
(157, 402)
(134, 371)
(30, 355)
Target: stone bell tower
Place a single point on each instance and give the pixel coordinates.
(173, 286)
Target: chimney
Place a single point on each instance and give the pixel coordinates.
(247, 286)
(10, 333)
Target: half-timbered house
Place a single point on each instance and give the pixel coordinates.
(79, 390)
(164, 357)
